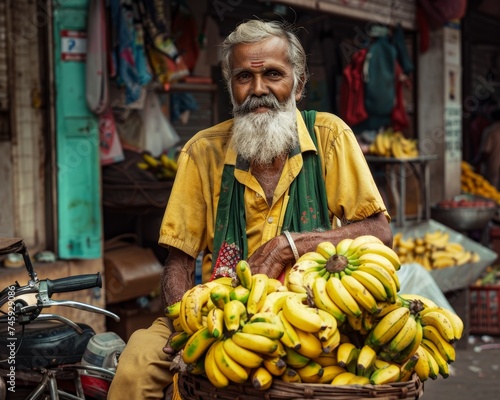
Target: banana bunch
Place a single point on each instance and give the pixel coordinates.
(474, 183)
(250, 328)
(163, 167)
(320, 326)
(394, 144)
(433, 250)
(347, 280)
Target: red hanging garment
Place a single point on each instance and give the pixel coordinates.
(352, 92)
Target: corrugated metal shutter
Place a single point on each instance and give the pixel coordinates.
(385, 12)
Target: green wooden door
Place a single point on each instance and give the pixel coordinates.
(78, 168)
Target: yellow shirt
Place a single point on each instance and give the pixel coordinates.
(188, 222)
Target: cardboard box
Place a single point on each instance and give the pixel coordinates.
(130, 271)
(133, 317)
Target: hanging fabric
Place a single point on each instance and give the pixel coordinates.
(96, 68)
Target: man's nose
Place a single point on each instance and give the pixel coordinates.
(259, 87)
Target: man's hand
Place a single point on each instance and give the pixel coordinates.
(272, 257)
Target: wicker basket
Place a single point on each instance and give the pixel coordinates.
(199, 388)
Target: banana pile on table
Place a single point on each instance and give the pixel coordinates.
(433, 250)
(337, 319)
(474, 183)
(394, 144)
(162, 167)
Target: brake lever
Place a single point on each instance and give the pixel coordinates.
(80, 306)
(60, 318)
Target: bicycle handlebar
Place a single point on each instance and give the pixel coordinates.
(74, 283)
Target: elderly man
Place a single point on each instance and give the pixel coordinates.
(243, 183)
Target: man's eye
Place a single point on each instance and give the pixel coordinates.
(273, 74)
(243, 77)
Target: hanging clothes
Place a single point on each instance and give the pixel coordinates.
(128, 49)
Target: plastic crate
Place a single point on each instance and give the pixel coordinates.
(485, 309)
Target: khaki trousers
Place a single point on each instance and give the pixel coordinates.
(143, 370)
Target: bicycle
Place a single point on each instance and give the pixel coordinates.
(45, 355)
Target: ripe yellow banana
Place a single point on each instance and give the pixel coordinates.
(443, 365)
(386, 375)
(380, 249)
(240, 293)
(275, 285)
(172, 311)
(331, 343)
(177, 325)
(360, 240)
(360, 380)
(311, 373)
(215, 322)
(356, 323)
(385, 278)
(422, 367)
(275, 365)
(178, 340)
(388, 327)
(341, 297)
(327, 359)
(229, 367)
(274, 302)
(245, 357)
(403, 338)
(433, 365)
(343, 246)
(343, 379)
(455, 321)
(371, 283)
(258, 293)
(213, 372)
(220, 295)
(366, 359)
(374, 258)
(268, 329)
(445, 348)
(291, 376)
(295, 277)
(326, 249)
(300, 315)
(290, 337)
(191, 305)
(261, 378)
(197, 345)
(329, 323)
(362, 296)
(411, 349)
(310, 345)
(235, 315)
(257, 343)
(330, 372)
(294, 359)
(323, 301)
(244, 274)
(441, 322)
(346, 352)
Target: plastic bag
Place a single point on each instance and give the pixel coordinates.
(415, 279)
(159, 134)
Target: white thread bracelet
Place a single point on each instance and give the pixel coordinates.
(292, 244)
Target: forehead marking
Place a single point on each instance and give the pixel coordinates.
(256, 64)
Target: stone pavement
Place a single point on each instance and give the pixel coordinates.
(474, 375)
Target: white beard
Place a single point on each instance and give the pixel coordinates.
(261, 137)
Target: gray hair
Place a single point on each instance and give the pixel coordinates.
(253, 31)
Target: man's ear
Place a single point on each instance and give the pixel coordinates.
(299, 90)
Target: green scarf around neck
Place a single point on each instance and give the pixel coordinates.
(307, 207)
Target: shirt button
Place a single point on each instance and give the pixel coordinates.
(270, 220)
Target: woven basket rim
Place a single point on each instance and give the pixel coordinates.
(198, 387)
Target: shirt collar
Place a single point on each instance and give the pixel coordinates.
(305, 141)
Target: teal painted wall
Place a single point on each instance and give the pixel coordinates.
(78, 167)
